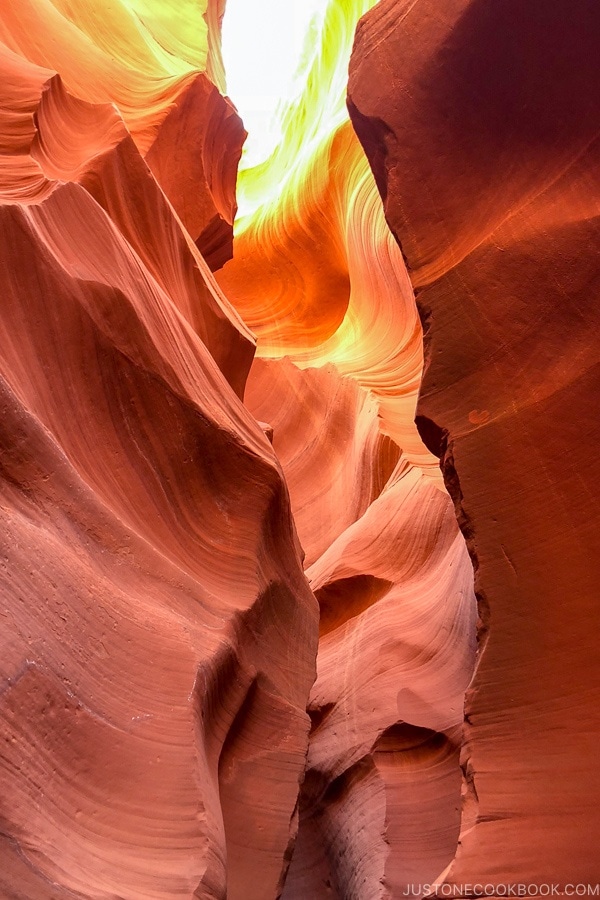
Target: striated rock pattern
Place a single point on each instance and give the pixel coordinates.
(161, 67)
(194, 157)
(151, 746)
(317, 275)
(321, 281)
(239, 615)
(480, 120)
(160, 649)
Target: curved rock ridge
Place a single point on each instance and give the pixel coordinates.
(317, 274)
(326, 435)
(321, 281)
(151, 748)
(161, 66)
(52, 137)
(134, 53)
(480, 120)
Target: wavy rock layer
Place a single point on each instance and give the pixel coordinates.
(150, 746)
(162, 69)
(159, 659)
(480, 120)
(320, 279)
(332, 288)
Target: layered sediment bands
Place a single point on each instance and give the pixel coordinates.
(148, 551)
(162, 69)
(317, 274)
(320, 279)
(396, 655)
(194, 159)
(158, 665)
(389, 822)
(480, 120)
(327, 438)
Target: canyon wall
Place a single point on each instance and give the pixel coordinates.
(151, 746)
(243, 652)
(321, 281)
(480, 120)
(184, 522)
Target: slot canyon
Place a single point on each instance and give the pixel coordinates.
(300, 541)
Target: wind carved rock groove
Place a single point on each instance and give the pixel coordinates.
(239, 612)
(481, 123)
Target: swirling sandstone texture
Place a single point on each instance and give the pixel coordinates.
(320, 279)
(162, 68)
(159, 635)
(480, 120)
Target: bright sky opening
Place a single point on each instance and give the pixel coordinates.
(262, 50)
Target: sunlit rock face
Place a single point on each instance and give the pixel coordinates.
(480, 120)
(238, 607)
(317, 275)
(160, 64)
(321, 281)
(152, 746)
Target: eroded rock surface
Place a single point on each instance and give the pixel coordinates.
(190, 505)
(150, 746)
(320, 279)
(480, 120)
(161, 66)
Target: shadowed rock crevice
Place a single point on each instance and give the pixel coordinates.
(367, 803)
(342, 600)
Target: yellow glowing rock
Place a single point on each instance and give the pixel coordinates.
(160, 65)
(137, 54)
(308, 120)
(317, 274)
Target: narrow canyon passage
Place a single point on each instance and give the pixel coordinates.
(299, 507)
(320, 280)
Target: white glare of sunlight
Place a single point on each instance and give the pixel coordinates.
(263, 42)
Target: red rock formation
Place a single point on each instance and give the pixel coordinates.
(320, 279)
(194, 158)
(150, 747)
(156, 67)
(480, 120)
(394, 586)
(327, 438)
(160, 654)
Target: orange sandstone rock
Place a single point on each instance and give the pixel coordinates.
(162, 69)
(320, 279)
(194, 158)
(148, 551)
(480, 120)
